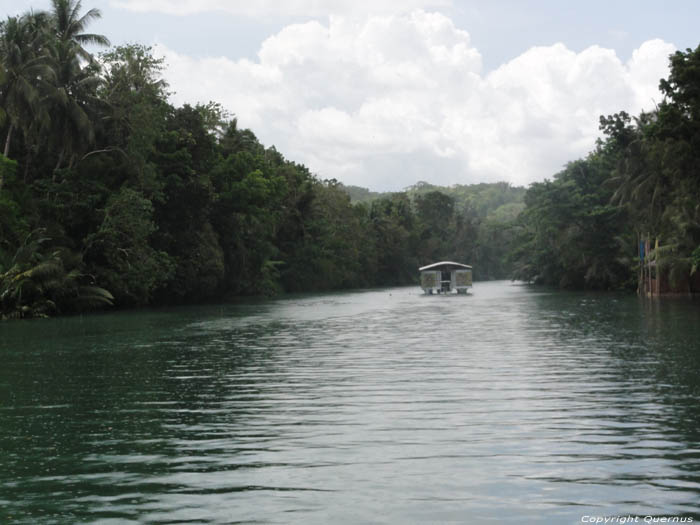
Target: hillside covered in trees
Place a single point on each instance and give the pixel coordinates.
(111, 195)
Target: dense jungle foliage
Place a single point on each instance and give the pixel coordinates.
(110, 195)
(641, 182)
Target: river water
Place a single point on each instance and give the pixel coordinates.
(511, 405)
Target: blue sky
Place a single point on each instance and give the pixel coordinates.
(384, 93)
(501, 29)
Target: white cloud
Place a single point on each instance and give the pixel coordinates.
(266, 8)
(389, 100)
(650, 58)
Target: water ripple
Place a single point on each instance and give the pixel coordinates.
(510, 406)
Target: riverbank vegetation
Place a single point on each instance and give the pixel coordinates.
(640, 183)
(110, 195)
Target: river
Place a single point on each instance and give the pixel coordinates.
(511, 405)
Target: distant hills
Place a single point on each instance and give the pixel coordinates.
(496, 200)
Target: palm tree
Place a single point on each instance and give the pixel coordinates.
(70, 26)
(39, 284)
(71, 102)
(76, 82)
(24, 70)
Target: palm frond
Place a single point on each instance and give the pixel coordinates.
(94, 39)
(45, 271)
(94, 297)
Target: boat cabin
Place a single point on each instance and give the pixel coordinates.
(445, 277)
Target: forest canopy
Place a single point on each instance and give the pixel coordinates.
(641, 183)
(110, 195)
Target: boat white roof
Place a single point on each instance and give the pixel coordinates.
(448, 264)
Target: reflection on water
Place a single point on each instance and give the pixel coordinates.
(511, 405)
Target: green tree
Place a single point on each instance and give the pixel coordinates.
(435, 212)
(39, 284)
(76, 85)
(120, 254)
(70, 26)
(656, 177)
(394, 226)
(13, 223)
(570, 235)
(135, 96)
(23, 64)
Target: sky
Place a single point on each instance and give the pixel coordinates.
(385, 93)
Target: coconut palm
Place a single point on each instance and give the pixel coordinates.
(39, 284)
(71, 102)
(69, 27)
(76, 81)
(24, 70)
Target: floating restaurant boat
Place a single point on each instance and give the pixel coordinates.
(445, 277)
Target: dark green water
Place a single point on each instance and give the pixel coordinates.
(511, 405)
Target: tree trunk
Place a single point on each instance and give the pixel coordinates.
(7, 150)
(27, 163)
(7, 140)
(58, 164)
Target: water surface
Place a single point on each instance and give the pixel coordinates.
(512, 405)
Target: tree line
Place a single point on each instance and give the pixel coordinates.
(641, 183)
(110, 195)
